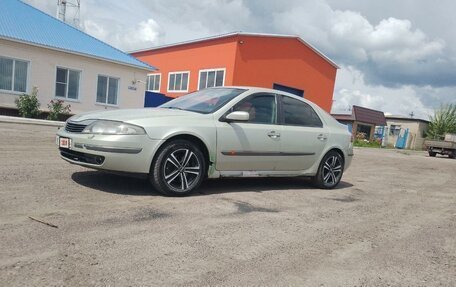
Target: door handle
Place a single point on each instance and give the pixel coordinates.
(322, 137)
(273, 135)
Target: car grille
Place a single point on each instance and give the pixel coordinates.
(74, 128)
(82, 157)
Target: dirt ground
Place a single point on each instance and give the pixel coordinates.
(392, 222)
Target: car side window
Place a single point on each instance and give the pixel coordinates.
(262, 108)
(298, 113)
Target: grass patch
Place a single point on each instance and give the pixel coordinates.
(365, 143)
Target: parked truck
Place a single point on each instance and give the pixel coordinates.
(445, 147)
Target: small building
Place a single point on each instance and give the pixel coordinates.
(37, 50)
(416, 131)
(363, 120)
(282, 62)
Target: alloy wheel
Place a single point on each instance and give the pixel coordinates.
(332, 170)
(181, 169)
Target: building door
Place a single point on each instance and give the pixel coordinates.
(291, 90)
(401, 142)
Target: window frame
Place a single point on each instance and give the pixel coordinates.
(211, 70)
(107, 91)
(176, 73)
(78, 99)
(249, 97)
(27, 79)
(282, 113)
(159, 82)
(396, 131)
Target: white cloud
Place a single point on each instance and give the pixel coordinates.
(144, 34)
(351, 89)
(351, 38)
(96, 30)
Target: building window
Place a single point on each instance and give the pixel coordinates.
(107, 90)
(395, 130)
(178, 81)
(153, 82)
(13, 75)
(67, 83)
(211, 78)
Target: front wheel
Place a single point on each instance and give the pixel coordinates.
(178, 168)
(330, 171)
(432, 154)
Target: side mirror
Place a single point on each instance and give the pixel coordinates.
(237, 116)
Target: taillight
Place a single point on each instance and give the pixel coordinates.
(352, 138)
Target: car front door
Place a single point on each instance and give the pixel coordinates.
(252, 145)
(303, 135)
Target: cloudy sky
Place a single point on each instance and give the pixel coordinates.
(395, 56)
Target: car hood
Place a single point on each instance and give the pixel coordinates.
(129, 115)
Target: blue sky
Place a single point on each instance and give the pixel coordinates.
(395, 56)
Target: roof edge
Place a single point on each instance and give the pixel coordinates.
(405, 119)
(321, 54)
(152, 68)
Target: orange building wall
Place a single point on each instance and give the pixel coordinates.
(262, 61)
(249, 61)
(219, 53)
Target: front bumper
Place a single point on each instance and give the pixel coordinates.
(123, 153)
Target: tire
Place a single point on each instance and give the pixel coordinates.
(330, 171)
(178, 169)
(453, 154)
(432, 154)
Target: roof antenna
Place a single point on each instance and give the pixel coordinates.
(74, 6)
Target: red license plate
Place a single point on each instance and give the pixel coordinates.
(64, 142)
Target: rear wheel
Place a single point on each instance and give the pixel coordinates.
(453, 154)
(178, 168)
(330, 171)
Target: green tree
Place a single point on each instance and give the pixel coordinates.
(443, 121)
(28, 105)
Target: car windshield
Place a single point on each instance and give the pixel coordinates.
(204, 101)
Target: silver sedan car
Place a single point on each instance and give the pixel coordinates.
(212, 133)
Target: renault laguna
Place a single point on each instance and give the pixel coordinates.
(212, 133)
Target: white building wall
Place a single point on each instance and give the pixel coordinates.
(417, 129)
(42, 74)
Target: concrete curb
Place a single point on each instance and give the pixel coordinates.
(17, 120)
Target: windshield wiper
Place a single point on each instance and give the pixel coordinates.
(174, 108)
(181, 109)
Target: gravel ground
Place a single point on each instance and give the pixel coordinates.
(392, 222)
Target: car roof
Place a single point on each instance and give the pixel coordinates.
(268, 90)
(328, 119)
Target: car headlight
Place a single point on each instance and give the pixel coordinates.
(113, 128)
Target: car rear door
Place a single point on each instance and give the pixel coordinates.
(303, 135)
(253, 145)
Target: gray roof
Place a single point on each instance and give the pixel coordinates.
(403, 118)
